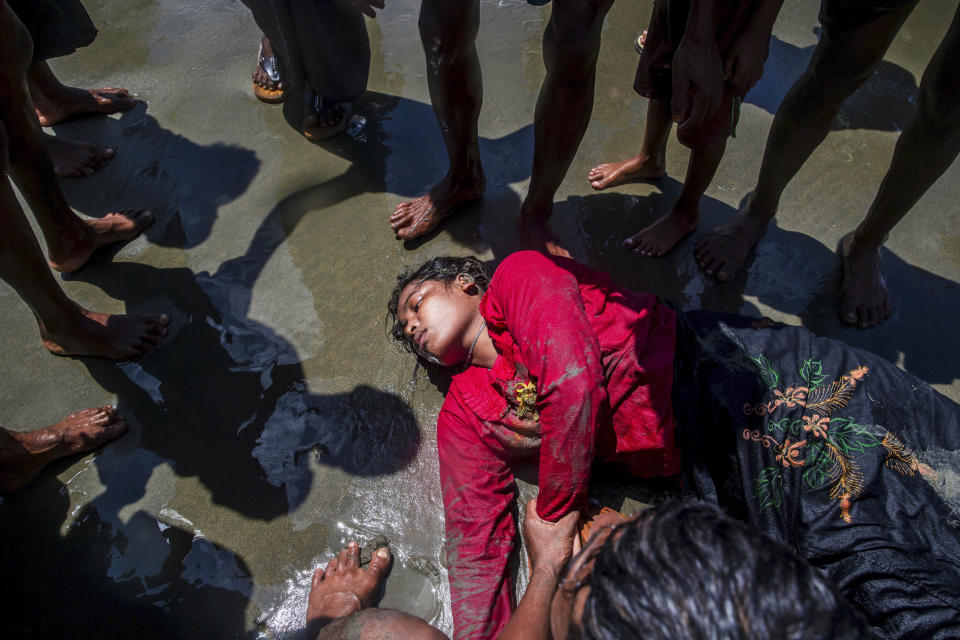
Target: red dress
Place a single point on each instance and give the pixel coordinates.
(584, 373)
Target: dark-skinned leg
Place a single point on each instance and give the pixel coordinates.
(841, 63)
(927, 147)
(650, 163)
(571, 43)
(448, 29)
(661, 236)
(56, 102)
(24, 453)
(70, 239)
(66, 328)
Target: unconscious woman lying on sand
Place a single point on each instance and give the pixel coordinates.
(833, 451)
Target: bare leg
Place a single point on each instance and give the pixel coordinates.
(650, 163)
(571, 43)
(24, 454)
(56, 102)
(70, 239)
(683, 219)
(65, 327)
(74, 159)
(927, 147)
(841, 63)
(448, 29)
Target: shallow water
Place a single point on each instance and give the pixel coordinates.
(277, 422)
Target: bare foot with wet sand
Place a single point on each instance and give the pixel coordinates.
(344, 587)
(723, 251)
(88, 333)
(53, 106)
(864, 300)
(419, 217)
(24, 454)
(636, 169)
(75, 159)
(73, 248)
(664, 234)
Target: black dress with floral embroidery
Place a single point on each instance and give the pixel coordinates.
(851, 461)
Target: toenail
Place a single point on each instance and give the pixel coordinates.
(382, 553)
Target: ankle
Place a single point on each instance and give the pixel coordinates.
(862, 241)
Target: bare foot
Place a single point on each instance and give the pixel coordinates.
(71, 101)
(268, 86)
(343, 587)
(663, 235)
(97, 334)
(74, 159)
(535, 233)
(421, 216)
(75, 249)
(864, 300)
(23, 455)
(635, 169)
(724, 250)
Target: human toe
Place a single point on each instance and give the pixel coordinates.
(380, 563)
(352, 557)
(317, 578)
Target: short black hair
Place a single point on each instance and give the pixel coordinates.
(443, 269)
(687, 570)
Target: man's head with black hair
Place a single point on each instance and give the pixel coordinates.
(690, 571)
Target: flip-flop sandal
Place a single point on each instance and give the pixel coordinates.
(321, 108)
(271, 67)
(639, 42)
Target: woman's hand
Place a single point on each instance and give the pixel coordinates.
(697, 82)
(367, 6)
(550, 544)
(743, 67)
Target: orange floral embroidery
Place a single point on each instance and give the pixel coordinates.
(815, 425)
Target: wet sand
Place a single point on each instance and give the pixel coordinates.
(277, 422)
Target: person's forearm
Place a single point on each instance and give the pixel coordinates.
(701, 21)
(531, 620)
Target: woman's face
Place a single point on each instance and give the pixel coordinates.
(439, 319)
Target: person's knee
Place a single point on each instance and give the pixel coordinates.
(448, 32)
(571, 41)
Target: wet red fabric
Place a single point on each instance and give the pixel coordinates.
(601, 361)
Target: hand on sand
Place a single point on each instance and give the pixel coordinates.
(23, 455)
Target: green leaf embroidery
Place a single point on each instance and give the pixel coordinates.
(768, 374)
(769, 487)
(790, 425)
(820, 467)
(812, 372)
(850, 438)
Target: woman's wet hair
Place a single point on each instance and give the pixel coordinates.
(444, 269)
(690, 571)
